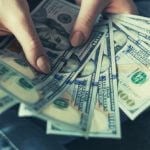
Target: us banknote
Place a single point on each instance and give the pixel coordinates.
(137, 31)
(139, 27)
(132, 57)
(137, 17)
(138, 35)
(105, 119)
(134, 20)
(74, 105)
(49, 87)
(53, 21)
(25, 112)
(107, 95)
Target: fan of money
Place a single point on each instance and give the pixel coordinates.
(88, 85)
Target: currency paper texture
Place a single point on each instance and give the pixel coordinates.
(105, 119)
(46, 88)
(132, 57)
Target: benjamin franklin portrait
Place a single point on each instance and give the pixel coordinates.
(52, 34)
(120, 40)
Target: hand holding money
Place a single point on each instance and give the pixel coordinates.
(80, 95)
(17, 21)
(89, 11)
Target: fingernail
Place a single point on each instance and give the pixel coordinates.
(43, 64)
(77, 39)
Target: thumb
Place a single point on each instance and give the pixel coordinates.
(23, 29)
(32, 47)
(85, 20)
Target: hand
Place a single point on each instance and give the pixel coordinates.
(15, 19)
(89, 11)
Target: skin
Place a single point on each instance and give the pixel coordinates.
(17, 21)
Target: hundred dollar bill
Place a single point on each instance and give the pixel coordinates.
(133, 63)
(49, 87)
(6, 101)
(134, 20)
(17, 85)
(144, 30)
(17, 62)
(107, 95)
(105, 120)
(82, 98)
(53, 21)
(139, 31)
(137, 17)
(143, 20)
(24, 112)
(74, 105)
(58, 81)
(137, 34)
(133, 36)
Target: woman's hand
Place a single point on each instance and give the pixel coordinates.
(15, 19)
(89, 11)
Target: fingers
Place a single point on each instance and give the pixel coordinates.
(4, 31)
(85, 20)
(23, 29)
(122, 6)
(28, 38)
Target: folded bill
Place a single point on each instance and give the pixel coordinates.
(105, 119)
(79, 96)
(137, 26)
(65, 66)
(74, 106)
(134, 20)
(132, 57)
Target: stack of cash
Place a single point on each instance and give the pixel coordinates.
(82, 94)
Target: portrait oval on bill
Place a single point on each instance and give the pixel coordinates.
(52, 34)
